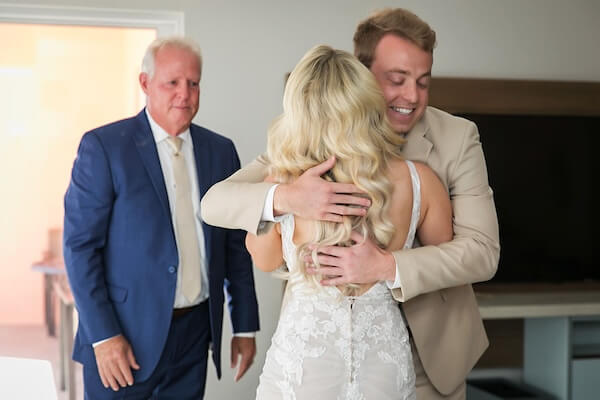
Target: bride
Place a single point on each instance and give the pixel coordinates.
(346, 342)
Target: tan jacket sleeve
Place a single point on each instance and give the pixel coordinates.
(238, 201)
(473, 254)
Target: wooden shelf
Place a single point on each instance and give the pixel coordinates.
(538, 304)
(515, 97)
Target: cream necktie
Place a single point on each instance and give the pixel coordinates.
(185, 225)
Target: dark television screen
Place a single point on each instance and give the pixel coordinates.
(544, 172)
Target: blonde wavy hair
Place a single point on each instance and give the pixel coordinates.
(332, 106)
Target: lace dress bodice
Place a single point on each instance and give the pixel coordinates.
(331, 346)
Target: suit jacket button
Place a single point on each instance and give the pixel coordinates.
(171, 269)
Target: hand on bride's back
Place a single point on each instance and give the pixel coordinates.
(312, 197)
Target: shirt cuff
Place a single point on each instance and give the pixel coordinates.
(245, 334)
(267, 214)
(395, 284)
(102, 341)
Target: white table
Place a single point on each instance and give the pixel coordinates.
(24, 378)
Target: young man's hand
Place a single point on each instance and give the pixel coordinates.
(312, 197)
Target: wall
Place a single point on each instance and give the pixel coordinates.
(249, 46)
(43, 117)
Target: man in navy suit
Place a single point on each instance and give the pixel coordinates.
(146, 273)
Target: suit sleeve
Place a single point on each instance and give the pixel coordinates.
(473, 254)
(238, 201)
(88, 207)
(239, 277)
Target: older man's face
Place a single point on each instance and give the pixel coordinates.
(173, 91)
(403, 71)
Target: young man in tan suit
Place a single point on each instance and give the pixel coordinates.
(432, 283)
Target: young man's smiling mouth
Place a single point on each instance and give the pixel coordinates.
(402, 110)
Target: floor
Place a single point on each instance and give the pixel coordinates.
(33, 342)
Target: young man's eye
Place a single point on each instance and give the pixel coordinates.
(423, 83)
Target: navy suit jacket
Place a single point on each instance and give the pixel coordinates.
(119, 244)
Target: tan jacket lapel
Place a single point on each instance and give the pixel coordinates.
(417, 147)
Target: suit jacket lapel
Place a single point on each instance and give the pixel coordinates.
(203, 157)
(418, 147)
(144, 142)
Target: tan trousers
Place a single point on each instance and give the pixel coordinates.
(425, 389)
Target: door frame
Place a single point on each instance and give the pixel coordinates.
(165, 22)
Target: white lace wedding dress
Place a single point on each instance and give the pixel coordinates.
(330, 346)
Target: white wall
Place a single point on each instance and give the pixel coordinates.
(249, 45)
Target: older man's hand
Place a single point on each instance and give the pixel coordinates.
(243, 350)
(115, 359)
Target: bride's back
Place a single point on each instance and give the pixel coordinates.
(399, 212)
(327, 345)
(334, 107)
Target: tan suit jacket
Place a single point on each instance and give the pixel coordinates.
(436, 294)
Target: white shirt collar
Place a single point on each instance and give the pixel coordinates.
(160, 134)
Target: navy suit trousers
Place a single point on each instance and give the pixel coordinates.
(181, 371)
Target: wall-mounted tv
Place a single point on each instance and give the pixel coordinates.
(545, 173)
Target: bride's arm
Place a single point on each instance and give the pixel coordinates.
(266, 249)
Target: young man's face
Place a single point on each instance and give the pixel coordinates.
(403, 71)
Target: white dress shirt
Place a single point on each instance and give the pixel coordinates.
(166, 163)
(164, 155)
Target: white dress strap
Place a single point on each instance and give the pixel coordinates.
(287, 234)
(416, 206)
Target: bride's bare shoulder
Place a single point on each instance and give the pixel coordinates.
(397, 170)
